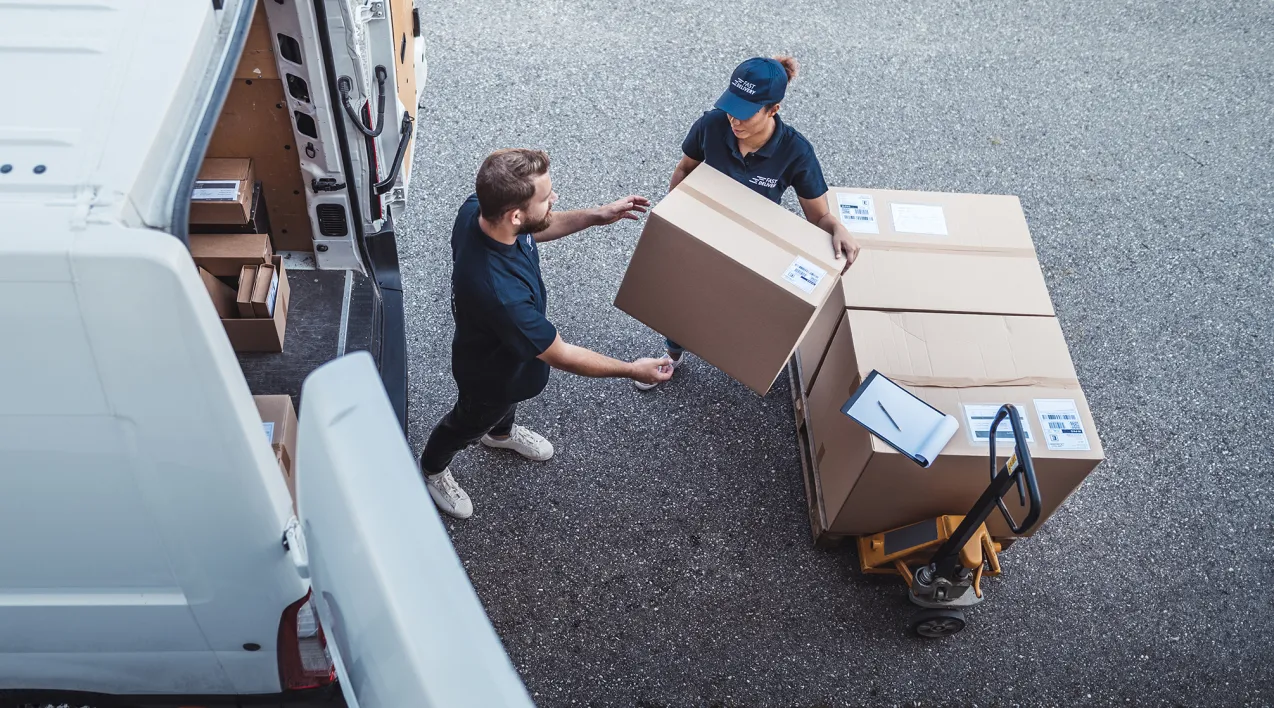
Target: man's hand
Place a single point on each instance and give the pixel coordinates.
(844, 244)
(627, 208)
(651, 371)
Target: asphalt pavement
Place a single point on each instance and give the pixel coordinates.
(663, 557)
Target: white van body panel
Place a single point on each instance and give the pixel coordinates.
(105, 98)
(403, 622)
(142, 506)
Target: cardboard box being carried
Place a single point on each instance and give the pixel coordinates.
(963, 365)
(729, 275)
(278, 418)
(223, 192)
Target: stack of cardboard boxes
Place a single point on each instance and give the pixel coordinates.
(946, 298)
(230, 243)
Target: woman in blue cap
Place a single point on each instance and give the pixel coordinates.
(744, 137)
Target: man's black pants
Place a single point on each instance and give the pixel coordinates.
(465, 425)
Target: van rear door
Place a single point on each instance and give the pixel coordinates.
(403, 623)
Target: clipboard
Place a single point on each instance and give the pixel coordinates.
(903, 420)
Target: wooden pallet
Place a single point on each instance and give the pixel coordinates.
(809, 464)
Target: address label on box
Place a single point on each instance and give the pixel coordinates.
(216, 190)
(979, 417)
(1063, 428)
(858, 212)
(804, 275)
(919, 219)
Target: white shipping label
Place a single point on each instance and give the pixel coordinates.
(1063, 428)
(269, 431)
(270, 296)
(217, 190)
(919, 219)
(858, 212)
(804, 275)
(979, 417)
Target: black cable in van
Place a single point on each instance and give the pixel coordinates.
(345, 85)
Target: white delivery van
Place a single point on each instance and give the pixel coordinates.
(151, 552)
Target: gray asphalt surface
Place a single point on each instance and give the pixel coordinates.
(663, 557)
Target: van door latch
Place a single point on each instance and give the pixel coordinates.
(294, 545)
(326, 184)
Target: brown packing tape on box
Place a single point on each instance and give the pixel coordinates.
(263, 334)
(243, 298)
(222, 295)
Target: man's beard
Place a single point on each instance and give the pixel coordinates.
(536, 227)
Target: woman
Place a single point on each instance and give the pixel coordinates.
(744, 137)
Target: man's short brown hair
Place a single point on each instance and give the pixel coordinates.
(506, 180)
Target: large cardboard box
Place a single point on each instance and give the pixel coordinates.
(729, 275)
(926, 281)
(223, 192)
(278, 418)
(258, 219)
(978, 222)
(966, 366)
(263, 334)
(224, 255)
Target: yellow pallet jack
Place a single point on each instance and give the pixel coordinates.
(943, 559)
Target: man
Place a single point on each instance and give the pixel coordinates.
(504, 344)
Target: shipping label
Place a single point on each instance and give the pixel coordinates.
(216, 190)
(1063, 428)
(804, 275)
(858, 212)
(919, 219)
(979, 417)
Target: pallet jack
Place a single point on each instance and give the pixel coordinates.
(942, 559)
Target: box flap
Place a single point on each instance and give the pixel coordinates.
(923, 281)
(954, 350)
(983, 222)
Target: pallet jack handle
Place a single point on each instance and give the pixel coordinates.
(1017, 470)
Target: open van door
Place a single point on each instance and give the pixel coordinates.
(403, 623)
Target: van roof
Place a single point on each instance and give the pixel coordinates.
(108, 96)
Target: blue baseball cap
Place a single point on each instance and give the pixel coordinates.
(754, 84)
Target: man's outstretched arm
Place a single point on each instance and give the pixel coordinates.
(586, 362)
(566, 223)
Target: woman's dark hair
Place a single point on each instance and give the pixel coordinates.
(790, 65)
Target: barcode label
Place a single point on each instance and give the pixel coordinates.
(804, 275)
(857, 212)
(216, 190)
(979, 416)
(1063, 428)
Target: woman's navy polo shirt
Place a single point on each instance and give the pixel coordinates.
(786, 159)
(499, 304)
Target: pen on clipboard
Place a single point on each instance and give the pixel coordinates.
(890, 417)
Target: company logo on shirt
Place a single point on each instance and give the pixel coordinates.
(746, 86)
(767, 182)
(530, 242)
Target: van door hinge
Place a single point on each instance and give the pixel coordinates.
(377, 10)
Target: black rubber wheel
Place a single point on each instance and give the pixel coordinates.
(937, 623)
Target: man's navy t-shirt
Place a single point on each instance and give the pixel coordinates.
(498, 302)
(786, 159)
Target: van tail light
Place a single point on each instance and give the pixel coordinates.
(304, 661)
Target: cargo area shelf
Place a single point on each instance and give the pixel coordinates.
(314, 331)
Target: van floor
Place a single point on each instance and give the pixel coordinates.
(314, 328)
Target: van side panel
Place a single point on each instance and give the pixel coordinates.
(141, 506)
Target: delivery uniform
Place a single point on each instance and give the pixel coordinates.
(499, 304)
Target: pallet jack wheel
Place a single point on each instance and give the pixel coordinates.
(937, 623)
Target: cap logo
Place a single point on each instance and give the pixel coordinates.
(742, 85)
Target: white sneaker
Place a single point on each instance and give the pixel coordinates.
(675, 363)
(448, 495)
(526, 443)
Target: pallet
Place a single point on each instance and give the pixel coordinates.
(809, 463)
